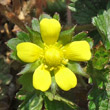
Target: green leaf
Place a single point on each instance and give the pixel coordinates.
(12, 43)
(30, 68)
(98, 77)
(56, 16)
(44, 16)
(102, 22)
(66, 36)
(99, 95)
(35, 25)
(32, 102)
(26, 81)
(76, 68)
(84, 10)
(57, 105)
(23, 36)
(98, 99)
(101, 57)
(35, 37)
(83, 36)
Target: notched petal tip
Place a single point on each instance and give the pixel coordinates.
(28, 52)
(41, 79)
(77, 51)
(50, 30)
(65, 79)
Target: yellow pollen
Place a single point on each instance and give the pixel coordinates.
(53, 56)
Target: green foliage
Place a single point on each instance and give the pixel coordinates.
(102, 22)
(66, 36)
(32, 102)
(101, 57)
(30, 68)
(51, 99)
(56, 105)
(84, 10)
(98, 96)
(76, 68)
(26, 81)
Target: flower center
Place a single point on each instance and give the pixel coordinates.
(53, 56)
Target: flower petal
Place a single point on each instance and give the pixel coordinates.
(77, 51)
(65, 78)
(28, 52)
(41, 79)
(50, 30)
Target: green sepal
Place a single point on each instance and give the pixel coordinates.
(76, 68)
(66, 36)
(83, 36)
(30, 68)
(35, 25)
(35, 37)
(12, 43)
(23, 36)
(44, 16)
(56, 16)
(32, 102)
(26, 81)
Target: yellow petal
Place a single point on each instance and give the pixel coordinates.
(41, 79)
(28, 52)
(65, 78)
(77, 51)
(50, 30)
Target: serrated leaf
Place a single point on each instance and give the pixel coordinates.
(76, 68)
(23, 36)
(12, 43)
(35, 37)
(30, 68)
(102, 22)
(84, 10)
(26, 81)
(66, 36)
(32, 102)
(35, 25)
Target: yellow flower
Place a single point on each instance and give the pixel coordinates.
(53, 56)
